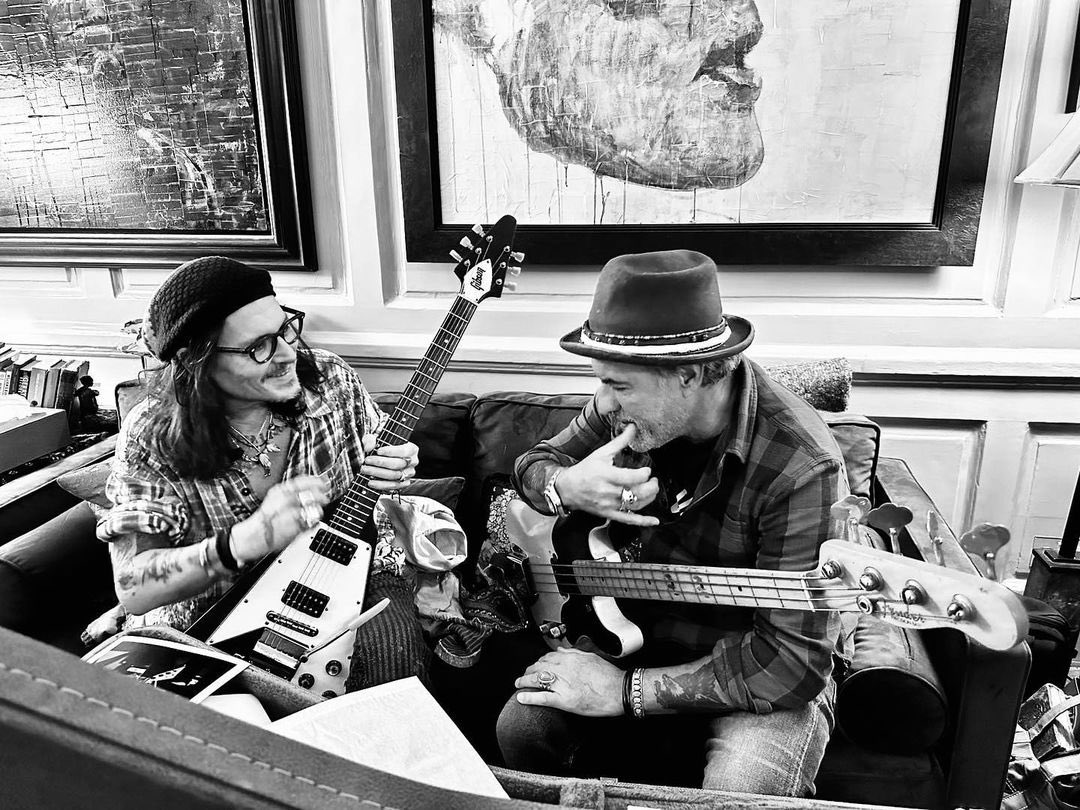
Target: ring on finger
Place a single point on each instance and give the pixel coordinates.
(627, 499)
(546, 680)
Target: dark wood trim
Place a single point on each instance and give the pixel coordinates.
(289, 244)
(948, 240)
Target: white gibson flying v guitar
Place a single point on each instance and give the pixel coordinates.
(571, 574)
(293, 614)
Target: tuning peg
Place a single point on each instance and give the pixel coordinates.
(478, 229)
(509, 286)
(457, 257)
(513, 270)
(933, 528)
(518, 255)
(985, 540)
(466, 243)
(891, 518)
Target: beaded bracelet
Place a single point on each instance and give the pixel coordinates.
(637, 696)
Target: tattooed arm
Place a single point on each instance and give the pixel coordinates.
(149, 571)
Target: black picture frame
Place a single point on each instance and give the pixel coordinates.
(949, 239)
(288, 243)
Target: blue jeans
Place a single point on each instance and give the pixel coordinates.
(775, 754)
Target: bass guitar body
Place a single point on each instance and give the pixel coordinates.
(564, 615)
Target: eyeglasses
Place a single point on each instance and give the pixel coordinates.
(263, 349)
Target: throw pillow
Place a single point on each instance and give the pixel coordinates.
(446, 491)
(825, 384)
(88, 483)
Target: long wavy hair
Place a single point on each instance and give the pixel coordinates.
(188, 423)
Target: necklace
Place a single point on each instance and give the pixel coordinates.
(262, 443)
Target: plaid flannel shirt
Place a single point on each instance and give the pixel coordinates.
(150, 497)
(785, 473)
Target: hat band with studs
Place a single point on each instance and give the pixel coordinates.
(680, 343)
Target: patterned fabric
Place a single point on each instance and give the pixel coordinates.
(762, 502)
(150, 497)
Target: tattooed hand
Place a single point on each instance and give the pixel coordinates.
(584, 683)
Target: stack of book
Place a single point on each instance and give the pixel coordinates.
(45, 382)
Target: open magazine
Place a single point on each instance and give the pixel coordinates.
(191, 672)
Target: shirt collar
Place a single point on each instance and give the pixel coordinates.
(315, 404)
(746, 395)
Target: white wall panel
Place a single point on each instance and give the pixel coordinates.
(1046, 475)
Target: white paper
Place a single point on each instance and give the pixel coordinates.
(395, 727)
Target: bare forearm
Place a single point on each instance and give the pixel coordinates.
(690, 687)
(151, 577)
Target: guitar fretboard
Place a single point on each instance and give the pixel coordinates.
(355, 508)
(701, 585)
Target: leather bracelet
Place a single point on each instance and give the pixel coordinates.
(551, 495)
(626, 692)
(224, 551)
(637, 693)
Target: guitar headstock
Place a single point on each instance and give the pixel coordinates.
(912, 593)
(485, 257)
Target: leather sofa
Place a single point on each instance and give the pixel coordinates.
(478, 438)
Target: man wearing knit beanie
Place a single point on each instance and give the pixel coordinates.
(246, 435)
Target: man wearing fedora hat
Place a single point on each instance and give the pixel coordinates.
(713, 463)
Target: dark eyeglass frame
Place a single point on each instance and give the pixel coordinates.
(296, 317)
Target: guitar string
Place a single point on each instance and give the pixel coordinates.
(748, 573)
(314, 574)
(759, 600)
(320, 572)
(693, 586)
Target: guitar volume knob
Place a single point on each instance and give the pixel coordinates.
(306, 681)
(333, 668)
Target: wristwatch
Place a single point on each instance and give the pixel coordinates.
(551, 495)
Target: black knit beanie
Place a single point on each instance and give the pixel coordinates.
(199, 295)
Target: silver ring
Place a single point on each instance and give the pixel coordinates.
(545, 680)
(627, 499)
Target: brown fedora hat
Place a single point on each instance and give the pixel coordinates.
(659, 309)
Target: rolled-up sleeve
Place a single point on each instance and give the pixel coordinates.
(785, 659)
(144, 500)
(588, 431)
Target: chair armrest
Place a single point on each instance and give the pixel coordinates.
(34, 498)
(984, 687)
(895, 483)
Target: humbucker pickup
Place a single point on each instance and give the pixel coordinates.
(306, 600)
(333, 547)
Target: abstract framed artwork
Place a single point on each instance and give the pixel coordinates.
(145, 134)
(846, 132)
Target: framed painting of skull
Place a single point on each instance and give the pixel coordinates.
(144, 134)
(852, 132)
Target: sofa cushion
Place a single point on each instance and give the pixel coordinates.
(825, 384)
(446, 491)
(440, 433)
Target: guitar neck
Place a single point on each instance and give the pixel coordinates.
(741, 587)
(357, 505)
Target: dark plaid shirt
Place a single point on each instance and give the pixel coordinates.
(762, 502)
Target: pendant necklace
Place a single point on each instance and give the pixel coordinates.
(261, 444)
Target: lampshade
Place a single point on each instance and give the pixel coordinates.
(1059, 163)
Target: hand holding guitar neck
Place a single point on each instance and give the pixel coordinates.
(850, 511)
(595, 485)
(983, 542)
(890, 518)
(390, 466)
